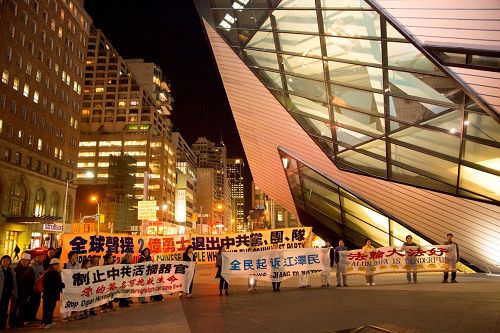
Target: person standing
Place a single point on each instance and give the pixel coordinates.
(325, 274)
(25, 280)
(51, 252)
(189, 256)
(37, 255)
(369, 265)
(107, 307)
(341, 263)
(126, 260)
(52, 287)
(71, 264)
(145, 257)
(16, 252)
(223, 285)
(411, 260)
(8, 289)
(452, 259)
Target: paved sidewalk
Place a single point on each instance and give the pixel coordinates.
(472, 305)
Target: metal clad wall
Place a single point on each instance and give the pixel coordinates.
(263, 125)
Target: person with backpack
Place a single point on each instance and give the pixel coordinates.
(37, 255)
(25, 280)
(71, 264)
(52, 287)
(8, 288)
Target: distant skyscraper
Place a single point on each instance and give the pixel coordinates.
(268, 213)
(234, 170)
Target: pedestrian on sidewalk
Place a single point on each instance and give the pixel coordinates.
(8, 289)
(52, 287)
(16, 252)
(25, 280)
(223, 285)
(71, 264)
(452, 258)
(411, 259)
(325, 274)
(189, 256)
(369, 265)
(341, 263)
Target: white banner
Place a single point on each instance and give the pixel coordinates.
(274, 265)
(87, 288)
(396, 259)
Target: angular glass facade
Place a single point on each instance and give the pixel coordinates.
(367, 96)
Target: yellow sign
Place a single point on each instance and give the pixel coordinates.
(101, 218)
(146, 210)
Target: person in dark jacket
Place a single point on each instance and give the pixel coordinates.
(48, 257)
(188, 255)
(452, 258)
(16, 252)
(37, 257)
(126, 260)
(52, 287)
(108, 260)
(25, 280)
(145, 256)
(8, 288)
(223, 285)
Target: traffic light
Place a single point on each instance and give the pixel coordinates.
(99, 218)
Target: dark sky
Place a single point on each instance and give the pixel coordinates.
(169, 33)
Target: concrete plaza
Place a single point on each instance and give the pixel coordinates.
(472, 305)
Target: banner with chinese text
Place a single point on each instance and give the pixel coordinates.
(167, 248)
(274, 265)
(391, 259)
(87, 288)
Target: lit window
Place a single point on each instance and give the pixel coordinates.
(53, 24)
(28, 68)
(15, 85)
(122, 103)
(60, 32)
(135, 143)
(56, 152)
(103, 164)
(134, 103)
(85, 112)
(5, 76)
(110, 143)
(102, 175)
(86, 154)
(39, 145)
(36, 96)
(88, 143)
(60, 154)
(26, 90)
(38, 76)
(99, 90)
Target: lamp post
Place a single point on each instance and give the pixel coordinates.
(94, 198)
(65, 208)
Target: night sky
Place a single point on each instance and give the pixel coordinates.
(169, 33)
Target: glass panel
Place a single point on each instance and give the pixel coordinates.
(481, 182)
(297, 3)
(320, 191)
(262, 40)
(300, 104)
(306, 88)
(358, 50)
(352, 23)
(376, 147)
(344, 4)
(327, 146)
(451, 121)
(366, 214)
(454, 58)
(351, 138)
(303, 44)
(440, 169)
(408, 56)
(230, 35)
(393, 33)
(438, 142)
(305, 171)
(312, 68)
(262, 59)
(250, 19)
(313, 126)
(271, 79)
(374, 234)
(406, 176)
(399, 234)
(483, 155)
(485, 61)
(323, 206)
(359, 120)
(355, 75)
(482, 126)
(413, 111)
(357, 99)
(363, 163)
(441, 89)
(296, 20)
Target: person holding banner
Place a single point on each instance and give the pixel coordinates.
(108, 260)
(369, 265)
(325, 275)
(452, 257)
(189, 256)
(218, 263)
(411, 260)
(145, 256)
(71, 264)
(126, 260)
(52, 287)
(341, 263)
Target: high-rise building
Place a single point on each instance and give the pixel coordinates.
(205, 200)
(42, 63)
(369, 118)
(234, 171)
(212, 155)
(268, 213)
(186, 187)
(126, 113)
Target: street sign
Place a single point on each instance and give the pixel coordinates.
(57, 227)
(146, 210)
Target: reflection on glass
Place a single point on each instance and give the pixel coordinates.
(345, 4)
(362, 162)
(480, 182)
(354, 75)
(408, 56)
(362, 121)
(352, 23)
(271, 79)
(262, 59)
(297, 3)
(393, 33)
(370, 232)
(358, 99)
(405, 176)
(358, 50)
(305, 45)
(250, 18)
(320, 191)
(412, 111)
(483, 155)
(310, 67)
(366, 214)
(351, 138)
(313, 126)
(399, 234)
(262, 40)
(450, 121)
(304, 105)
(482, 126)
(307, 88)
(296, 20)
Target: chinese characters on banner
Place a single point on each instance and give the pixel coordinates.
(390, 259)
(87, 288)
(275, 265)
(166, 248)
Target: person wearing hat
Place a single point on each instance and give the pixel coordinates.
(25, 279)
(8, 288)
(37, 257)
(52, 287)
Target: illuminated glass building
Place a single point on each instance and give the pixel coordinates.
(369, 118)
(234, 171)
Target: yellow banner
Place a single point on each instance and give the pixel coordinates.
(168, 248)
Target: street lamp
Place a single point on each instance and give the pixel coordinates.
(65, 208)
(94, 198)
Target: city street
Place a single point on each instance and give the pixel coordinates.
(472, 305)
